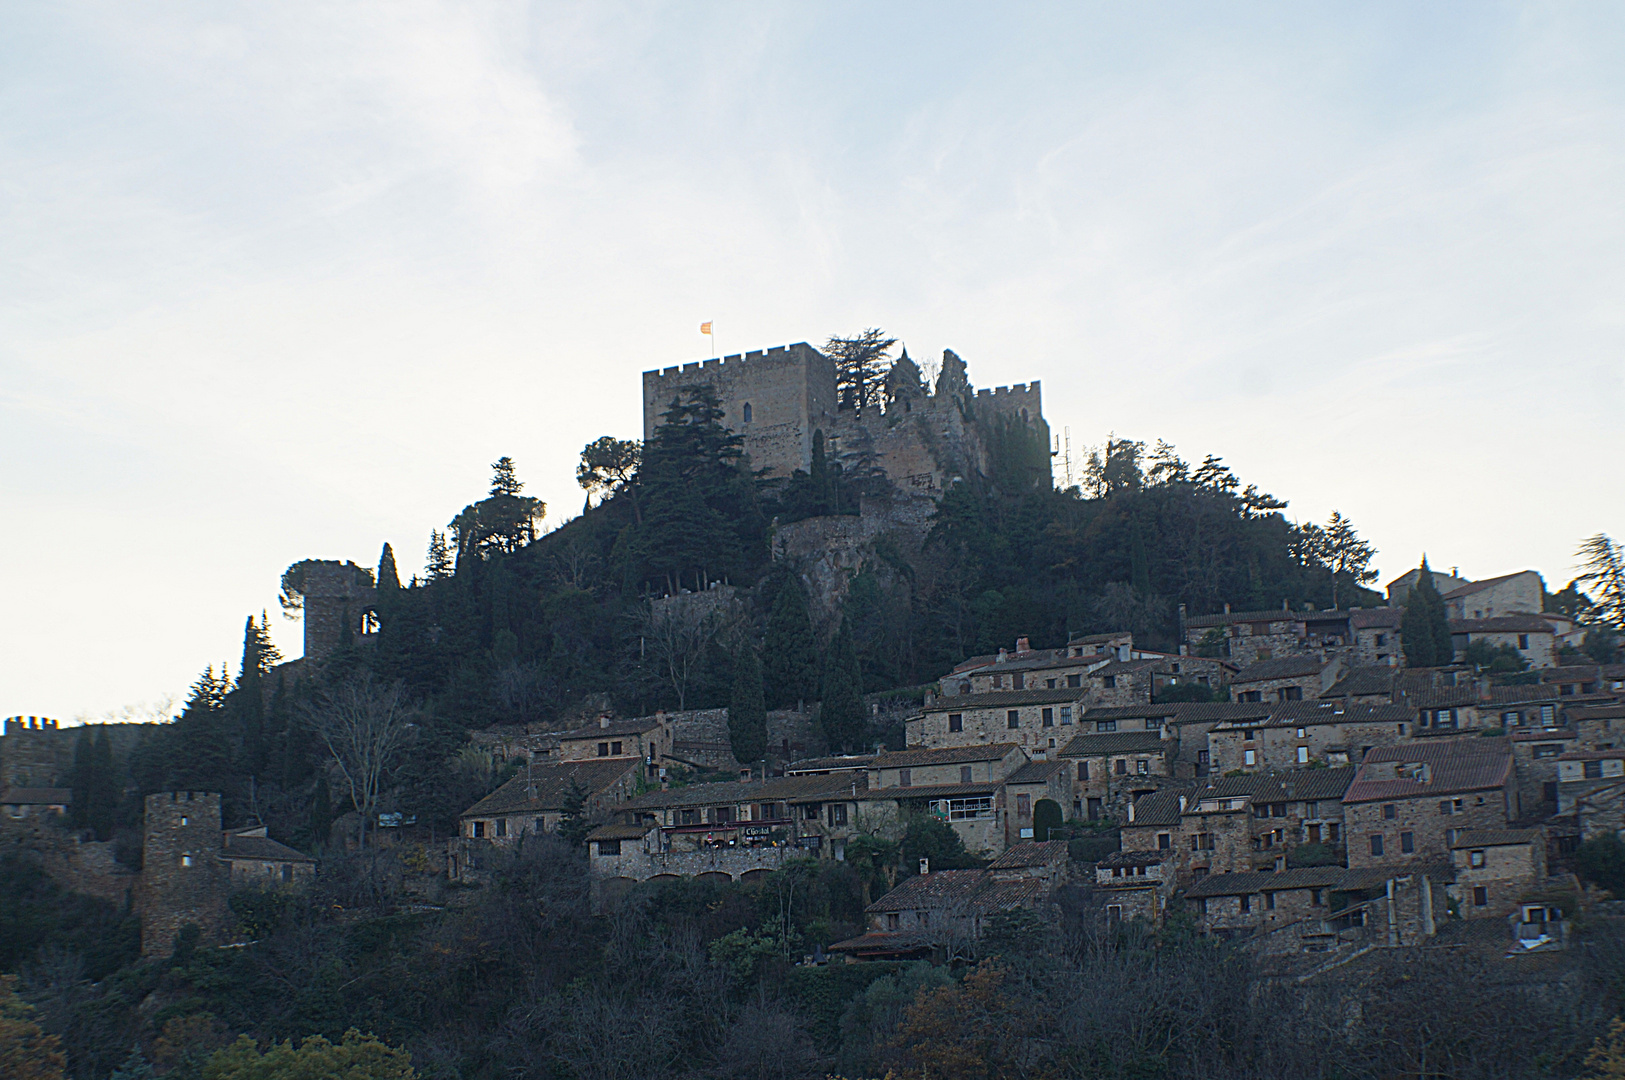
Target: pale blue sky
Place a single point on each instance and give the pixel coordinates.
(280, 280)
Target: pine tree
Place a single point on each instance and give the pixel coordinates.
(574, 824)
(840, 712)
(790, 655)
(747, 713)
(321, 812)
(438, 566)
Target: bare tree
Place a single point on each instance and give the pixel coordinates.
(677, 631)
(365, 727)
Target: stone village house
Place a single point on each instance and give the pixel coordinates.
(534, 801)
(1408, 804)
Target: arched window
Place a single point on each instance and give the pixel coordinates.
(747, 412)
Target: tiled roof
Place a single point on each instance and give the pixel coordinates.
(1470, 764)
(1370, 679)
(620, 832)
(1300, 785)
(829, 764)
(1116, 742)
(617, 727)
(1479, 586)
(1039, 854)
(880, 942)
(36, 796)
(1516, 695)
(941, 755)
(1033, 659)
(259, 847)
(1597, 712)
(1446, 697)
(1245, 884)
(1097, 639)
(1309, 713)
(1133, 712)
(1004, 699)
(1273, 615)
(1374, 877)
(932, 791)
(777, 789)
(1206, 712)
(1134, 858)
(544, 787)
(1035, 772)
(1287, 667)
(1496, 837)
(1160, 808)
(1542, 735)
(1502, 624)
(974, 889)
(1370, 618)
(1124, 667)
(1594, 755)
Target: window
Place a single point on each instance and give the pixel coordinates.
(1481, 896)
(609, 847)
(1122, 766)
(478, 828)
(746, 412)
(837, 813)
(1246, 903)
(1291, 693)
(1074, 681)
(1389, 811)
(964, 774)
(1475, 858)
(1018, 681)
(1593, 770)
(1143, 767)
(1376, 844)
(1249, 757)
(1049, 684)
(1202, 758)
(1012, 719)
(1444, 807)
(1083, 770)
(1114, 913)
(1303, 755)
(905, 777)
(1049, 717)
(1109, 682)
(1066, 715)
(186, 860)
(688, 817)
(1302, 733)
(1382, 639)
(1096, 809)
(1548, 713)
(1165, 842)
(615, 749)
(811, 811)
(1269, 901)
(1024, 806)
(1523, 641)
(502, 826)
(1202, 842)
(1202, 905)
(541, 825)
(894, 920)
(968, 809)
(287, 871)
(603, 749)
(183, 819)
(1547, 750)
(1248, 734)
(956, 721)
(1317, 897)
(722, 815)
(1407, 843)
(1105, 725)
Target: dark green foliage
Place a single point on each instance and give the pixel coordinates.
(1215, 644)
(1424, 627)
(574, 823)
(389, 579)
(1601, 862)
(37, 914)
(135, 1067)
(501, 523)
(1190, 691)
(932, 838)
(1312, 855)
(840, 710)
(790, 660)
(860, 367)
(1047, 819)
(1601, 645)
(1496, 659)
(747, 713)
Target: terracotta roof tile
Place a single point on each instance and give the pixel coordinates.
(942, 755)
(1037, 854)
(1456, 765)
(1117, 742)
(544, 787)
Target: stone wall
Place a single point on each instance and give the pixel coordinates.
(34, 752)
(1430, 829)
(338, 601)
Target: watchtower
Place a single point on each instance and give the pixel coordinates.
(183, 879)
(33, 752)
(339, 599)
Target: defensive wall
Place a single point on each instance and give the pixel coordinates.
(33, 752)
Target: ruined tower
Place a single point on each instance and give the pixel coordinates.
(339, 602)
(33, 753)
(183, 879)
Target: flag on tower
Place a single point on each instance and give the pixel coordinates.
(705, 328)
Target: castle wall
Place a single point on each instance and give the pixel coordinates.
(338, 598)
(183, 879)
(34, 753)
(790, 392)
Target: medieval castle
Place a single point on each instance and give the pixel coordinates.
(921, 438)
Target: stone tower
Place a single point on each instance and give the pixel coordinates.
(33, 753)
(776, 399)
(183, 879)
(339, 599)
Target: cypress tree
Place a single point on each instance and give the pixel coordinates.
(103, 787)
(79, 812)
(840, 712)
(747, 712)
(1425, 628)
(790, 654)
(389, 579)
(321, 812)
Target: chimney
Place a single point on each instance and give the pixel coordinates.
(1227, 609)
(925, 867)
(603, 721)
(1182, 804)
(1004, 654)
(1131, 811)
(1022, 645)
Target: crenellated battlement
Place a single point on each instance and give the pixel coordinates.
(683, 373)
(29, 723)
(1019, 399)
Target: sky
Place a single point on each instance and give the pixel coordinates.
(280, 281)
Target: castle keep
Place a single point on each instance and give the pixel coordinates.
(920, 438)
